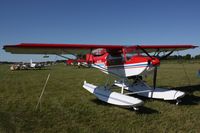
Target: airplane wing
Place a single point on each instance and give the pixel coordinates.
(37, 48)
(161, 48)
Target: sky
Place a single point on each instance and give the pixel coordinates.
(124, 22)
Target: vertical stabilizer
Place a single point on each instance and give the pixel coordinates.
(31, 62)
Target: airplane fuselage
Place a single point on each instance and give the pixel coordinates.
(122, 66)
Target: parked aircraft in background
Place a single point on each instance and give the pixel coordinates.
(77, 62)
(28, 66)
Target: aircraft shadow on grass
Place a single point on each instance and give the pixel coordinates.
(6, 123)
(189, 98)
(142, 109)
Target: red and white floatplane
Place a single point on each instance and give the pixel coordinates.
(125, 62)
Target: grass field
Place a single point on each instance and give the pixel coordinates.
(67, 107)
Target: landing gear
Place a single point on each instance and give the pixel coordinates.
(178, 101)
(135, 108)
(123, 85)
(136, 78)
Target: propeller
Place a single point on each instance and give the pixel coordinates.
(153, 58)
(155, 67)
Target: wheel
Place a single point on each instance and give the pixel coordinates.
(135, 108)
(178, 101)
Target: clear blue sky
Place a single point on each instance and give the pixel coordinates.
(98, 21)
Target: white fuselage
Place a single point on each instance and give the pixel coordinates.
(125, 70)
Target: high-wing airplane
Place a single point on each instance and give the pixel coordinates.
(124, 62)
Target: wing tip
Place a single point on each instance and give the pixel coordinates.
(195, 46)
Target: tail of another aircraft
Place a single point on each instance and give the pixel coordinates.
(31, 62)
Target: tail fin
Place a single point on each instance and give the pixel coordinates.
(31, 62)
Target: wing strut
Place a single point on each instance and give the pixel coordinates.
(165, 56)
(63, 56)
(144, 51)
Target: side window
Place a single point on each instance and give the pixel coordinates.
(134, 53)
(115, 59)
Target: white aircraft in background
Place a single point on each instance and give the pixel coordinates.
(36, 65)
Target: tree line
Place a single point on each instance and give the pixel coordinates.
(185, 57)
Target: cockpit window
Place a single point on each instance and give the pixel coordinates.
(115, 59)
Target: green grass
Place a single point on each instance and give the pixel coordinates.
(67, 107)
